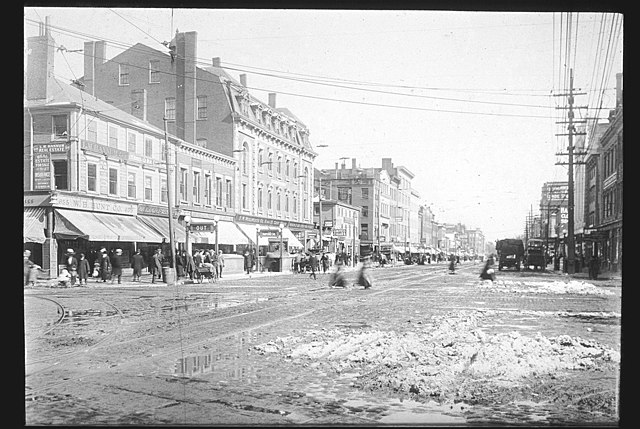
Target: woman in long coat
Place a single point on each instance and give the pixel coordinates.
(105, 266)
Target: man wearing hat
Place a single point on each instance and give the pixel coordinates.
(71, 264)
(116, 266)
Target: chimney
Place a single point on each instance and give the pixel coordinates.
(353, 166)
(94, 56)
(272, 100)
(243, 80)
(40, 63)
(216, 61)
(618, 90)
(186, 50)
(387, 164)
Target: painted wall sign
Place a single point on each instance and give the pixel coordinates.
(92, 204)
(41, 170)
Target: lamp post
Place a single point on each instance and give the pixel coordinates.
(281, 227)
(257, 247)
(216, 219)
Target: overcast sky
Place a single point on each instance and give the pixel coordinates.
(465, 100)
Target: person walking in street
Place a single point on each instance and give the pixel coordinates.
(156, 265)
(179, 264)
(325, 262)
(452, 264)
(488, 273)
(313, 263)
(362, 276)
(220, 263)
(297, 259)
(83, 270)
(594, 267)
(137, 263)
(116, 264)
(29, 271)
(105, 265)
(336, 278)
(189, 264)
(213, 257)
(248, 261)
(71, 264)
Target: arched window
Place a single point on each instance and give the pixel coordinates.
(279, 165)
(286, 203)
(269, 199)
(278, 198)
(295, 204)
(260, 157)
(305, 179)
(287, 168)
(270, 162)
(295, 171)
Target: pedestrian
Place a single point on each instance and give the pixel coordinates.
(116, 265)
(137, 263)
(220, 262)
(179, 264)
(325, 262)
(29, 269)
(452, 264)
(215, 261)
(594, 267)
(197, 258)
(105, 265)
(71, 263)
(297, 260)
(189, 265)
(83, 269)
(488, 273)
(336, 278)
(313, 263)
(362, 276)
(156, 265)
(248, 261)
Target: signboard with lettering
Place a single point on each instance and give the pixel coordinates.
(147, 209)
(92, 204)
(274, 222)
(198, 227)
(51, 147)
(37, 200)
(41, 170)
(340, 232)
(269, 233)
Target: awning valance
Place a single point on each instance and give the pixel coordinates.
(228, 233)
(72, 224)
(34, 225)
(161, 225)
(287, 235)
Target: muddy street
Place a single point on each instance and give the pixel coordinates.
(422, 346)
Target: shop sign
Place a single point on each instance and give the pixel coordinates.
(382, 238)
(147, 209)
(269, 233)
(299, 225)
(201, 227)
(340, 232)
(84, 203)
(328, 223)
(41, 170)
(51, 148)
(37, 200)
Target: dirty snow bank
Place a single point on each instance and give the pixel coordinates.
(556, 287)
(431, 360)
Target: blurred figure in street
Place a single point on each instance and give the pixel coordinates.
(116, 265)
(137, 263)
(220, 263)
(594, 267)
(362, 276)
(313, 263)
(64, 279)
(248, 261)
(488, 273)
(29, 271)
(189, 265)
(325, 262)
(336, 278)
(83, 270)
(452, 264)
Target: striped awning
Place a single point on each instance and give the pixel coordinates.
(72, 224)
(34, 224)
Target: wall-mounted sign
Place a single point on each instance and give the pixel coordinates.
(92, 204)
(41, 170)
(340, 232)
(206, 227)
(51, 147)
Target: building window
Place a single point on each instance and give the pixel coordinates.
(245, 159)
(60, 174)
(287, 168)
(124, 74)
(229, 194)
(148, 147)
(132, 143)
(260, 198)
(365, 211)
(92, 177)
(201, 102)
(60, 128)
(92, 131)
(295, 204)
(113, 137)
(344, 194)
(131, 185)
(196, 187)
(269, 199)
(148, 188)
(365, 193)
(260, 158)
(270, 165)
(163, 190)
(244, 195)
(170, 109)
(286, 203)
(316, 210)
(183, 184)
(201, 142)
(218, 191)
(207, 189)
(154, 71)
(305, 208)
(113, 181)
(278, 207)
(279, 166)
(295, 171)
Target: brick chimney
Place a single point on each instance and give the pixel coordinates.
(387, 164)
(272, 100)
(186, 54)
(40, 63)
(243, 80)
(94, 55)
(353, 166)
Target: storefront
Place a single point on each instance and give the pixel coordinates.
(204, 233)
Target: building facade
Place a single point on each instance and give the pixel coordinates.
(340, 224)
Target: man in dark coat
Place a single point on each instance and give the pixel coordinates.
(248, 261)
(83, 269)
(116, 264)
(105, 266)
(156, 265)
(189, 265)
(313, 263)
(137, 263)
(488, 271)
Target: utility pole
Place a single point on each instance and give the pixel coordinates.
(570, 242)
(169, 198)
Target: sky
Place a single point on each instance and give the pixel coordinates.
(466, 101)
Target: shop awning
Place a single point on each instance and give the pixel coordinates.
(71, 224)
(293, 241)
(161, 225)
(228, 233)
(287, 235)
(34, 224)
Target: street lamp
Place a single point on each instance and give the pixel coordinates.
(216, 219)
(257, 248)
(281, 227)
(187, 227)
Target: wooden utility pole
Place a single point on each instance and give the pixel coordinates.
(169, 199)
(570, 242)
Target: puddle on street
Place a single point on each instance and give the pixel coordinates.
(213, 302)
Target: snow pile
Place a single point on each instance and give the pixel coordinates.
(432, 360)
(555, 287)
